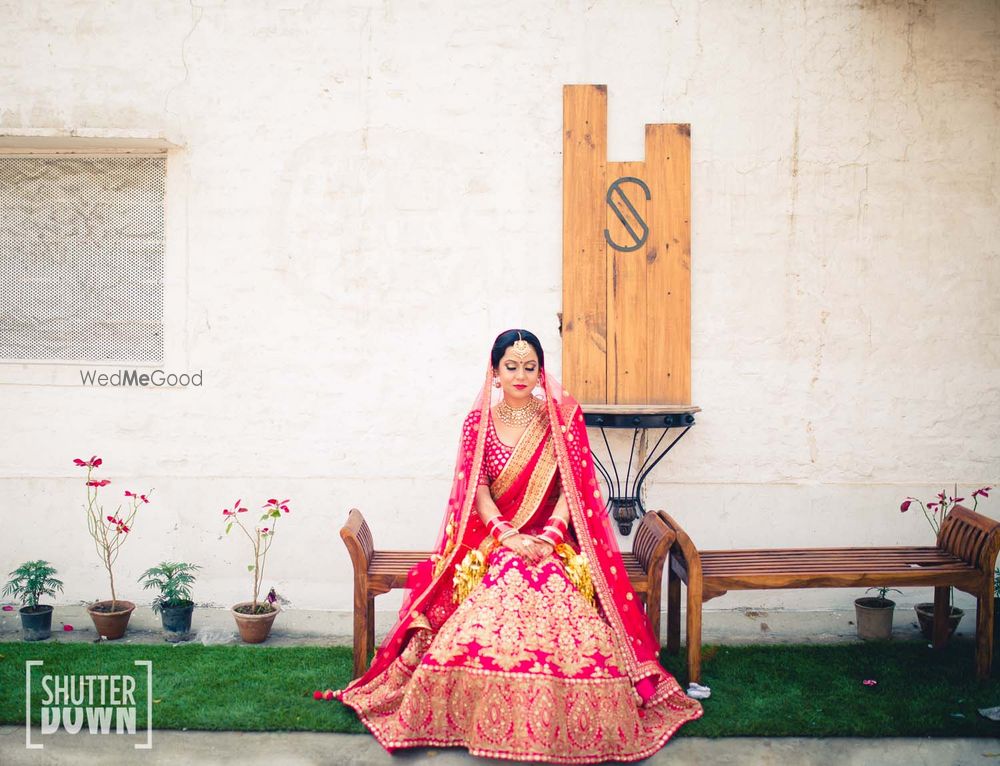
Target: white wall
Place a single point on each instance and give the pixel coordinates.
(363, 194)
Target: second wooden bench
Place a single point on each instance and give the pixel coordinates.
(964, 557)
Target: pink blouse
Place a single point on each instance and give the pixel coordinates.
(495, 456)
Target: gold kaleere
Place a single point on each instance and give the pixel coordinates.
(441, 561)
(469, 574)
(577, 570)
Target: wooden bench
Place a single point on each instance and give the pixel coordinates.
(377, 572)
(964, 557)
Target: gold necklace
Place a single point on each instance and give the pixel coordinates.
(520, 417)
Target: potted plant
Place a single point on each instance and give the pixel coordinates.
(29, 583)
(936, 511)
(109, 532)
(874, 614)
(173, 603)
(255, 617)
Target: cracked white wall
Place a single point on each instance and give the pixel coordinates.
(365, 193)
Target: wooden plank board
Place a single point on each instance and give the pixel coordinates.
(584, 320)
(628, 329)
(668, 277)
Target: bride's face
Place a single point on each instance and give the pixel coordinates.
(518, 375)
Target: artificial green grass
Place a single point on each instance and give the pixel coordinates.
(775, 691)
(215, 688)
(818, 691)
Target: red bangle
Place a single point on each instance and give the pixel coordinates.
(551, 535)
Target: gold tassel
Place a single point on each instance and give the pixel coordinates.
(442, 560)
(469, 574)
(577, 570)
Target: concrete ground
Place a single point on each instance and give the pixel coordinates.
(175, 748)
(299, 627)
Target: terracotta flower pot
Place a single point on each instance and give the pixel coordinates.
(254, 628)
(874, 617)
(111, 625)
(925, 616)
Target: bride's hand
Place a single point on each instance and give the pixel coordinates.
(528, 548)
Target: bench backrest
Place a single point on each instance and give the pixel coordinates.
(358, 539)
(972, 537)
(652, 539)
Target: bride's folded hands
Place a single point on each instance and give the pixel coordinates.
(529, 548)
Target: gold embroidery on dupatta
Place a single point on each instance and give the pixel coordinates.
(589, 550)
(521, 454)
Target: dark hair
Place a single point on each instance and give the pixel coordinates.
(508, 338)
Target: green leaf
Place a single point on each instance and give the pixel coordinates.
(250, 567)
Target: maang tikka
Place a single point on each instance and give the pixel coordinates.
(520, 348)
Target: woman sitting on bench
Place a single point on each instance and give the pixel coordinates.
(522, 638)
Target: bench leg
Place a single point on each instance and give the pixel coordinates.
(653, 611)
(673, 610)
(694, 630)
(370, 642)
(362, 619)
(984, 633)
(941, 615)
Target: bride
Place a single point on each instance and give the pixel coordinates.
(521, 638)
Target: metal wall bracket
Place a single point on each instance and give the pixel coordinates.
(624, 501)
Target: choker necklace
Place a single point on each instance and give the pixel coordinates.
(520, 417)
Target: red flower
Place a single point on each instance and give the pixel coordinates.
(264, 530)
(94, 462)
(906, 505)
(8, 608)
(281, 505)
(98, 482)
(317, 695)
(982, 492)
(870, 682)
(144, 498)
(123, 528)
(130, 494)
(79, 462)
(67, 628)
(328, 695)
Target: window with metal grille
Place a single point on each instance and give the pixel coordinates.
(81, 258)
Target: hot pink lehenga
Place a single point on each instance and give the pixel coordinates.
(551, 662)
